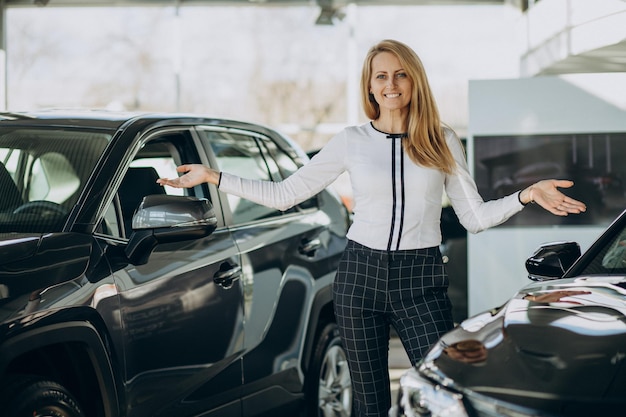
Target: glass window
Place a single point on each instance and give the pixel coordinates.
(611, 259)
(158, 158)
(246, 156)
(42, 172)
(281, 165)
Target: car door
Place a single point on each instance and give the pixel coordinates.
(181, 313)
(281, 252)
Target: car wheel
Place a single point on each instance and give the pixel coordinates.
(329, 391)
(31, 396)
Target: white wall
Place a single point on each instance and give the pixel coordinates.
(542, 105)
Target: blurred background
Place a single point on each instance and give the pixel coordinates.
(265, 63)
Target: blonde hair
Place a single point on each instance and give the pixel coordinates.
(427, 143)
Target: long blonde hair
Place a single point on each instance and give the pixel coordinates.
(427, 143)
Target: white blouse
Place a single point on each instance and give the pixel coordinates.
(397, 203)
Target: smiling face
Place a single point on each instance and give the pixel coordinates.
(390, 83)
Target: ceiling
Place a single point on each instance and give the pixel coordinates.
(330, 10)
(327, 3)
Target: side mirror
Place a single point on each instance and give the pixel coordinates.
(551, 260)
(166, 218)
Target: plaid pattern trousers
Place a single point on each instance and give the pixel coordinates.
(376, 289)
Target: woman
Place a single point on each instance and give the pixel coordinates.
(400, 163)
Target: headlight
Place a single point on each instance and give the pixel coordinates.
(419, 397)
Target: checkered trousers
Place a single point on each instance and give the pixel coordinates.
(374, 289)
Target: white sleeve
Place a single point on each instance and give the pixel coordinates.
(473, 212)
(307, 181)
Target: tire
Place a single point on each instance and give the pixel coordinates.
(32, 396)
(329, 386)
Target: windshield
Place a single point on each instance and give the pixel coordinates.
(42, 173)
(610, 257)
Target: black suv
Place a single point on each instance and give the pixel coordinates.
(119, 297)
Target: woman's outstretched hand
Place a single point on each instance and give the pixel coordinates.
(546, 193)
(194, 174)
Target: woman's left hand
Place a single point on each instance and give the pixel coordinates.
(546, 193)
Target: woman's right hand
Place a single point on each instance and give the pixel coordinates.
(194, 174)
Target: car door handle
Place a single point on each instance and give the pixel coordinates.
(308, 247)
(227, 275)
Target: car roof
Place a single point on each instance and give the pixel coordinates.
(94, 118)
(106, 119)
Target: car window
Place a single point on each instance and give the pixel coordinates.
(248, 156)
(281, 165)
(42, 173)
(611, 259)
(157, 158)
(615, 257)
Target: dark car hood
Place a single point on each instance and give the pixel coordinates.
(29, 262)
(560, 355)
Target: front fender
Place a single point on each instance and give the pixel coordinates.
(69, 332)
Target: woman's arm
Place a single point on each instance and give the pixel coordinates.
(308, 180)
